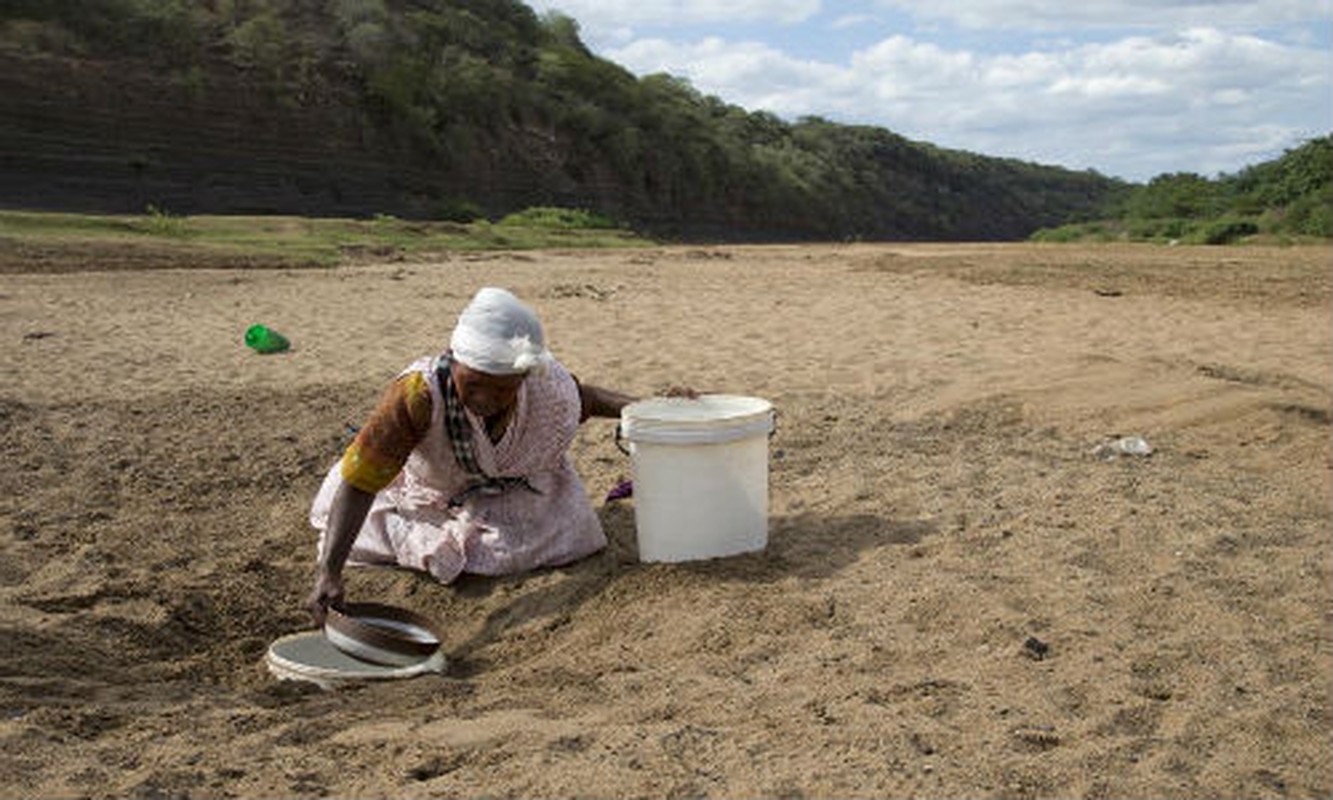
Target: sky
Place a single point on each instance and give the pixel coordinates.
(1130, 88)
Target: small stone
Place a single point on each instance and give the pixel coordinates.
(1041, 737)
(1035, 648)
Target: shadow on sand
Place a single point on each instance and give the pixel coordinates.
(808, 546)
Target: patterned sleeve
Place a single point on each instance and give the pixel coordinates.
(396, 427)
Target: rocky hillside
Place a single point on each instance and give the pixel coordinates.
(435, 109)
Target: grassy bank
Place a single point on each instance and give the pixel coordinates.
(49, 242)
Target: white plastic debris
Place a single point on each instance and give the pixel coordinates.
(1124, 446)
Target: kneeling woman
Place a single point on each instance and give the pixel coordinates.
(464, 465)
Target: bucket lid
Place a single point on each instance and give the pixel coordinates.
(706, 419)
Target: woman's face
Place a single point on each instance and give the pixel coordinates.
(484, 394)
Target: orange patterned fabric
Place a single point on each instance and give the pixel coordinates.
(382, 446)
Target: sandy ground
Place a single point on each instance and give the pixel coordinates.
(935, 505)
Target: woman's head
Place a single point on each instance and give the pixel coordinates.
(498, 340)
(499, 335)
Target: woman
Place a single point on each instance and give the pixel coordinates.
(464, 465)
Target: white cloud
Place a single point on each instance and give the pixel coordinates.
(851, 21)
(1202, 100)
(1046, 15)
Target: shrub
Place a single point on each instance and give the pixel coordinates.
(1061, 235)
(1311, 215)
(260, 43)
(553, 217)
(1226, 230)
(454, 210)
(160, 222)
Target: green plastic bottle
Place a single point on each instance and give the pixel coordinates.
(265, 340)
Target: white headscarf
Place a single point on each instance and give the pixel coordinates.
(499, 335)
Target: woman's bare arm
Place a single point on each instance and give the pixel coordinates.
(599, 402)
(348, 513)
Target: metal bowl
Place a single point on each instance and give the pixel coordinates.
(382, 634)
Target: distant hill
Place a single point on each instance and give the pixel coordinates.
(454, 110)
(1288, 198)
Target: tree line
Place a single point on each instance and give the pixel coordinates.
(1288, 198)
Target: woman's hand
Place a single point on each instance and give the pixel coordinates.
(328, 593)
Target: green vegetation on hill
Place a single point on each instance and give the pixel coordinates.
(1287, 199)
(483, 108)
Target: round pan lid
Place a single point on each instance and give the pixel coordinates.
(382, 634)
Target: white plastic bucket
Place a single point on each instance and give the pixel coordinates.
(700, 475)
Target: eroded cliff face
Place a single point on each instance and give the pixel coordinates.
(94, 135)
(83, 135)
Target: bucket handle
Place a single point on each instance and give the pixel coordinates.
(620, 436)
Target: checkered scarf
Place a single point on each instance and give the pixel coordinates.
(455, 421)
(459, 431)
